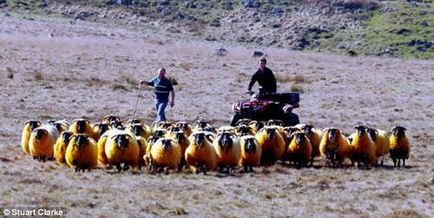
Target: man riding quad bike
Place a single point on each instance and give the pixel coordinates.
(266, 104)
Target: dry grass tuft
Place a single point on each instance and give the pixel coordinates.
(9, 73)
(297, 88)
(173, 80)
(38, 75)
(241, 77)
(282, 78)
(119, 87)
(186, 66)
(299, 79)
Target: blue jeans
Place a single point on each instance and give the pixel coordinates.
(161, 106)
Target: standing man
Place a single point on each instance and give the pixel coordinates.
(265, 78)
(162, 88)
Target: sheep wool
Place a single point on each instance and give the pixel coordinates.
(41, 143)
(381, 140)
(82, 153)
(334, 146)
(250, 153)
(166, 153)
(29, 126)
(272, 143)
(200, 154)
(399, 146)
(362, 148)
(228, 150)
(300, 149)
(60, 147)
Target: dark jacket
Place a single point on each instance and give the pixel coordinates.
(265, 79)
(162, 88)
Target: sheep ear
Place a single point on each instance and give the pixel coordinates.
(356, 126)
(405, 129)
(325, 130)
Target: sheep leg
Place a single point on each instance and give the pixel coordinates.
(204, 169)
(403, 162)
(251, 169)
(166, 170)
(394, 162)
(245, 169)
(126, 167)
(118, 167)
(399, 162)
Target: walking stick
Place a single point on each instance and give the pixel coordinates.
(137, 101)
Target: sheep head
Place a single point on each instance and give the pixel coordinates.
(33, 124)
(66, 136)
(225, 140)
(81, 141)
(250, 145)
(361, 130)
(122, 141)
(40, 133)
(398, 131)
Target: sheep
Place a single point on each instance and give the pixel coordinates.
(185, 127)
(250, 153)
(256, 125)
(99, 129)
(200, 153)
(134, 121)
(140, 130)
(287, 133)
(118, 125)
(165, 154)
(334, 146)
(275, 123)
(200, 125)
(102, 157)
(272, 143)
(399, 146)
(109, 119)
(29, 126)
(182, 139)
(82, 153)
(82, 126)
(362, 148)
(41, 142)
(243, 130)
(381, 140)
(300, 149)
(60, 147)
(227, 148)
(162, 125)
(243, 121)
(61, 125)
(143, 146)
(314, 136)
(121, 148)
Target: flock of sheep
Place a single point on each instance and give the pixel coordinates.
(200, 147)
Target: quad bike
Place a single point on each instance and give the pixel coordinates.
(267, 106)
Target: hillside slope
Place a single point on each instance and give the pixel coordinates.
(354, 27)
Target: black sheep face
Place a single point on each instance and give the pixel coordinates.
(332, 134)
(66, 136)
(250, 145)
(398, 131)
(122, 141)
(81, 141)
